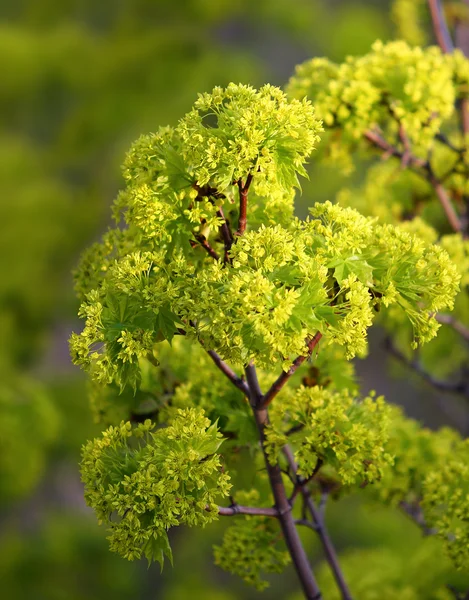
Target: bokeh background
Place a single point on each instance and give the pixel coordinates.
(79, 81)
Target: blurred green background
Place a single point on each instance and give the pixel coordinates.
(79, 81)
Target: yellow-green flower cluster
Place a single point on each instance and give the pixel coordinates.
(252, 546)
(417, 453)
(395, 84)
(446, 503)
(141, 483)
(336, 430)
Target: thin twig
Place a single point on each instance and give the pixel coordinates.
(306, 523)
(285, 375)
(423, 168)
(237, 509)
(206, 246)
(440, 26)
(452, 322)
(459, 387)
(228, 372)
(243, 203)
(415, 513)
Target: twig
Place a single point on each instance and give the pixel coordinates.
(320, 528)
(440, 26)
(285, 375)
(459, 387)
(423, 168)
(452, 322)
(415, 513)
(236, 509)
(243, 203)
(306, 523)
(228, 372)
(440, 137)
(206, 246)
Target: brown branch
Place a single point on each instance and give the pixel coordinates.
(236, 509)
(320, 527)
(206, 246)
(285, 375)
(228, 372)
(423, 168)
(287, 523)
(243, 203)
(440, 26)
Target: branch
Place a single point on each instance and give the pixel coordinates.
(243, 203)
(418, 164)
(287, 523)
(320, 527)
(415, 513)
(228, 372)
(440, 26)
(444, 199)
(236, 509)
(459, 387)
(226, 235)
(452, 322)
(285, 376)
(206, 246)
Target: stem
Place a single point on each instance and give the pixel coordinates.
(236, 509)
(321, 529)
(206, 246)
(287, 523)
(419, 164)
(457, 387)
(243, 204)
(440, 26)
(415, 513)
(285, 376)
(228, 372)
(452, 322)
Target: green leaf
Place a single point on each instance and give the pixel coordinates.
(156, 548)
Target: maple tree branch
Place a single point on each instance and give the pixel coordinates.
(228, 372)
(285, 375)
(452, 322)
(206, 246)
(320, 527)
(237, 509)
(287, 522)
(243, 203)
(423, 168)
(440, 27)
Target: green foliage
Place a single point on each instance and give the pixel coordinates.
(140, 482)
(27, 414)
(445, 502)
(252, 546)
(393, 574)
